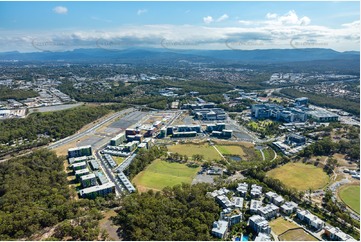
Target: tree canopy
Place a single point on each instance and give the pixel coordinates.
(183, 212)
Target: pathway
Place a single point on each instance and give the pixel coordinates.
(220, 154)
(261, 150)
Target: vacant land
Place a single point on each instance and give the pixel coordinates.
(207, 151)
(280, 225)
(300, 176)
(351, 196)
(231, 150)
(297, 235)
(160, 174)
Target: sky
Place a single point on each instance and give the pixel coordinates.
(61, 26)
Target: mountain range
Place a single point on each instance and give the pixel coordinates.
(267, 56)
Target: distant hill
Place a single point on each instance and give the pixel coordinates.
(167, 55)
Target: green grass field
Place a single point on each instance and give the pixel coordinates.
(118, 160)
(351, 196)
(268, 154)
(160, 174)
(280, 225)
(231, 150)
(300, 176)
(297, 235)
(207, 151)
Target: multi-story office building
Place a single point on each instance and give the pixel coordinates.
(80, 151)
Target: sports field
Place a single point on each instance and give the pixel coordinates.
(160, 174)
(297, 235)
(351, 196)
(207, 151)
(300, 176)
(280, 225)
(231, 150)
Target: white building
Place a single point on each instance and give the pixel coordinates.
(259, 224)
(310, 219)
(337, 235)
(256, 191)
(269, 211)
(289, 208)
(219, 229)
(242, 189)
(254, 205)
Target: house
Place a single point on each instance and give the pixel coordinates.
(275, 198)
(219, 229)
(254, 205)
(336, 234)
(221, 191)
(256, 191)
(289, 207)
(242, 189)
(232, 216)
(259, 224)
(224, 201)
(269, 211)
(237, 202)
(310, 219)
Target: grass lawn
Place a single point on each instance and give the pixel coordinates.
(207, 151)
(351, 196)
(300, 176)
(268, 154)
(297, 235)
(231, 150)
(118, 160)
(160, 174)
(280, 225)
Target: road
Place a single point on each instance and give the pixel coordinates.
(108, 172)
(88, 131)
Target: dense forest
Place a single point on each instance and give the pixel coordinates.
(324, 100)
(34, 194)
(17, 94)
(183, 212)
(43, 127)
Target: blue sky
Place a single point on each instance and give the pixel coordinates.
(205, 25)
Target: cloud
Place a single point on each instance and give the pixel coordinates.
(305, 21)
(354, 24)
(290, 18)
(142, 11)
(60, 10)
(245, 22)
(222, 18)
(208, 19)
(271, 15)
(260, 34)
